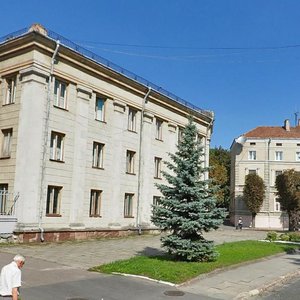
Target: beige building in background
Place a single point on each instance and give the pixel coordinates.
(82, 140)
(266, 151)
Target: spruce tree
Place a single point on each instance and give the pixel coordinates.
(188, 206)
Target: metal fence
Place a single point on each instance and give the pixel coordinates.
(8, 203)
(108, 64)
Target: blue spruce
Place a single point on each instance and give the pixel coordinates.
(188, 206)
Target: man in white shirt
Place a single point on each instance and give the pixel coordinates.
(10, 278)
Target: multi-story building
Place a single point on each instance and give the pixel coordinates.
(266, 151)
(82, 140)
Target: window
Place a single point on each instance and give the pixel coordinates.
(132, 113)
(251, 171)
(180, 134)
(158, 132)
(252, 144)
(130, 161)
(252, 155)
(277, 173)
(6, 141)
(128, 206)
(157, 167)
(60, 94)
(3, 198)
(99, 109)
(53, 200)
(57, 146)
(95, 203)
(10, 90)
(278, 155)
(276, 205)
(98, 155)
(298, 156)
(278, 144)
(156, 200)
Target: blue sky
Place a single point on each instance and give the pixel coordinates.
(240, 59)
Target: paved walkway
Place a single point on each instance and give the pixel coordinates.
(234, 283)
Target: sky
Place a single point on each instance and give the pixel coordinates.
(237, 58)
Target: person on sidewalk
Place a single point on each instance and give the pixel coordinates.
(10, 279)
(240, 223)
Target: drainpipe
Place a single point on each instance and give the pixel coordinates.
(269, 181)
(138, 226)
(46, 132)
(206, 153)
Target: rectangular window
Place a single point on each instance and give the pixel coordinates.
(278, 155)
(3, 198)
(132, 114)
(277, 173)
(95, 203)
(252, 144)
(128, 205)
(53, 200)
(276, 205)
(99, 109)
(252, 172)
(278, 144)
(130, 155)
(158, 132)
(57, 146)
(98, 155)
(6, 141)
(180, 134)
(252, 155)
(10, 90)
(298, 156)
(60, 94)
(156, 200)
(157, 167)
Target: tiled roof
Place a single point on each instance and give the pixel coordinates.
(273, 132)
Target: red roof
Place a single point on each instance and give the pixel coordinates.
(273, 132)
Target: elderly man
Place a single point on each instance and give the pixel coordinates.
(10, 278)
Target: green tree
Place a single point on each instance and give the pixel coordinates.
(219, 162)
(288, 192)
(254, 194)
(188, 206)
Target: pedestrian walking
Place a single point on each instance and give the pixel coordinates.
(10, 279)
(240, 223)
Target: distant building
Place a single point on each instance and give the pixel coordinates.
(266, 151)
(82, 140)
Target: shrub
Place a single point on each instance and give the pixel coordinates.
(294, 236)
(284, 237)
(271, 236)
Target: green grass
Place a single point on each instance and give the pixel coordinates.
(166, 269)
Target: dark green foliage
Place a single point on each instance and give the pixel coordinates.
(254, 193)
(219, 162)
(188, 206)
(288, 192)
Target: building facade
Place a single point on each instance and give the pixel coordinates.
(82, 140)
(266, 151)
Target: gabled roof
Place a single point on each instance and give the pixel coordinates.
(273, 132)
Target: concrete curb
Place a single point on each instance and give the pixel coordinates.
(268, 286)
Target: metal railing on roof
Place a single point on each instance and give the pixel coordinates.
(99, 59)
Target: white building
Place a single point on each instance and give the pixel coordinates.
(267, 151)
(82, 140)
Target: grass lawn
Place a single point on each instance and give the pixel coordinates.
(166, 269)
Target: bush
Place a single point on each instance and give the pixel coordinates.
(284, 237)
(294, 236)
(271, 236)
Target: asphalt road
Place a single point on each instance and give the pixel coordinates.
(288, 291)
(44, 280)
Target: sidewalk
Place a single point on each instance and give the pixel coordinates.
(238, 282)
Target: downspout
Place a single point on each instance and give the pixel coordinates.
(269, 181)
(138, 225)
(46, 132)
(206, 153)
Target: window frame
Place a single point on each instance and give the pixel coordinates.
(98, 154)
(59, 100)
(102, 114)
(10, 85)
(278, 155)
(53, 204)
(128, 205)
(95, 203)
(297, 155)
(54, 147)
(159, 129)
(252, 155)
(132, 119)
(130, 162)
(157, 167)
(6, 142)
(3, 198)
